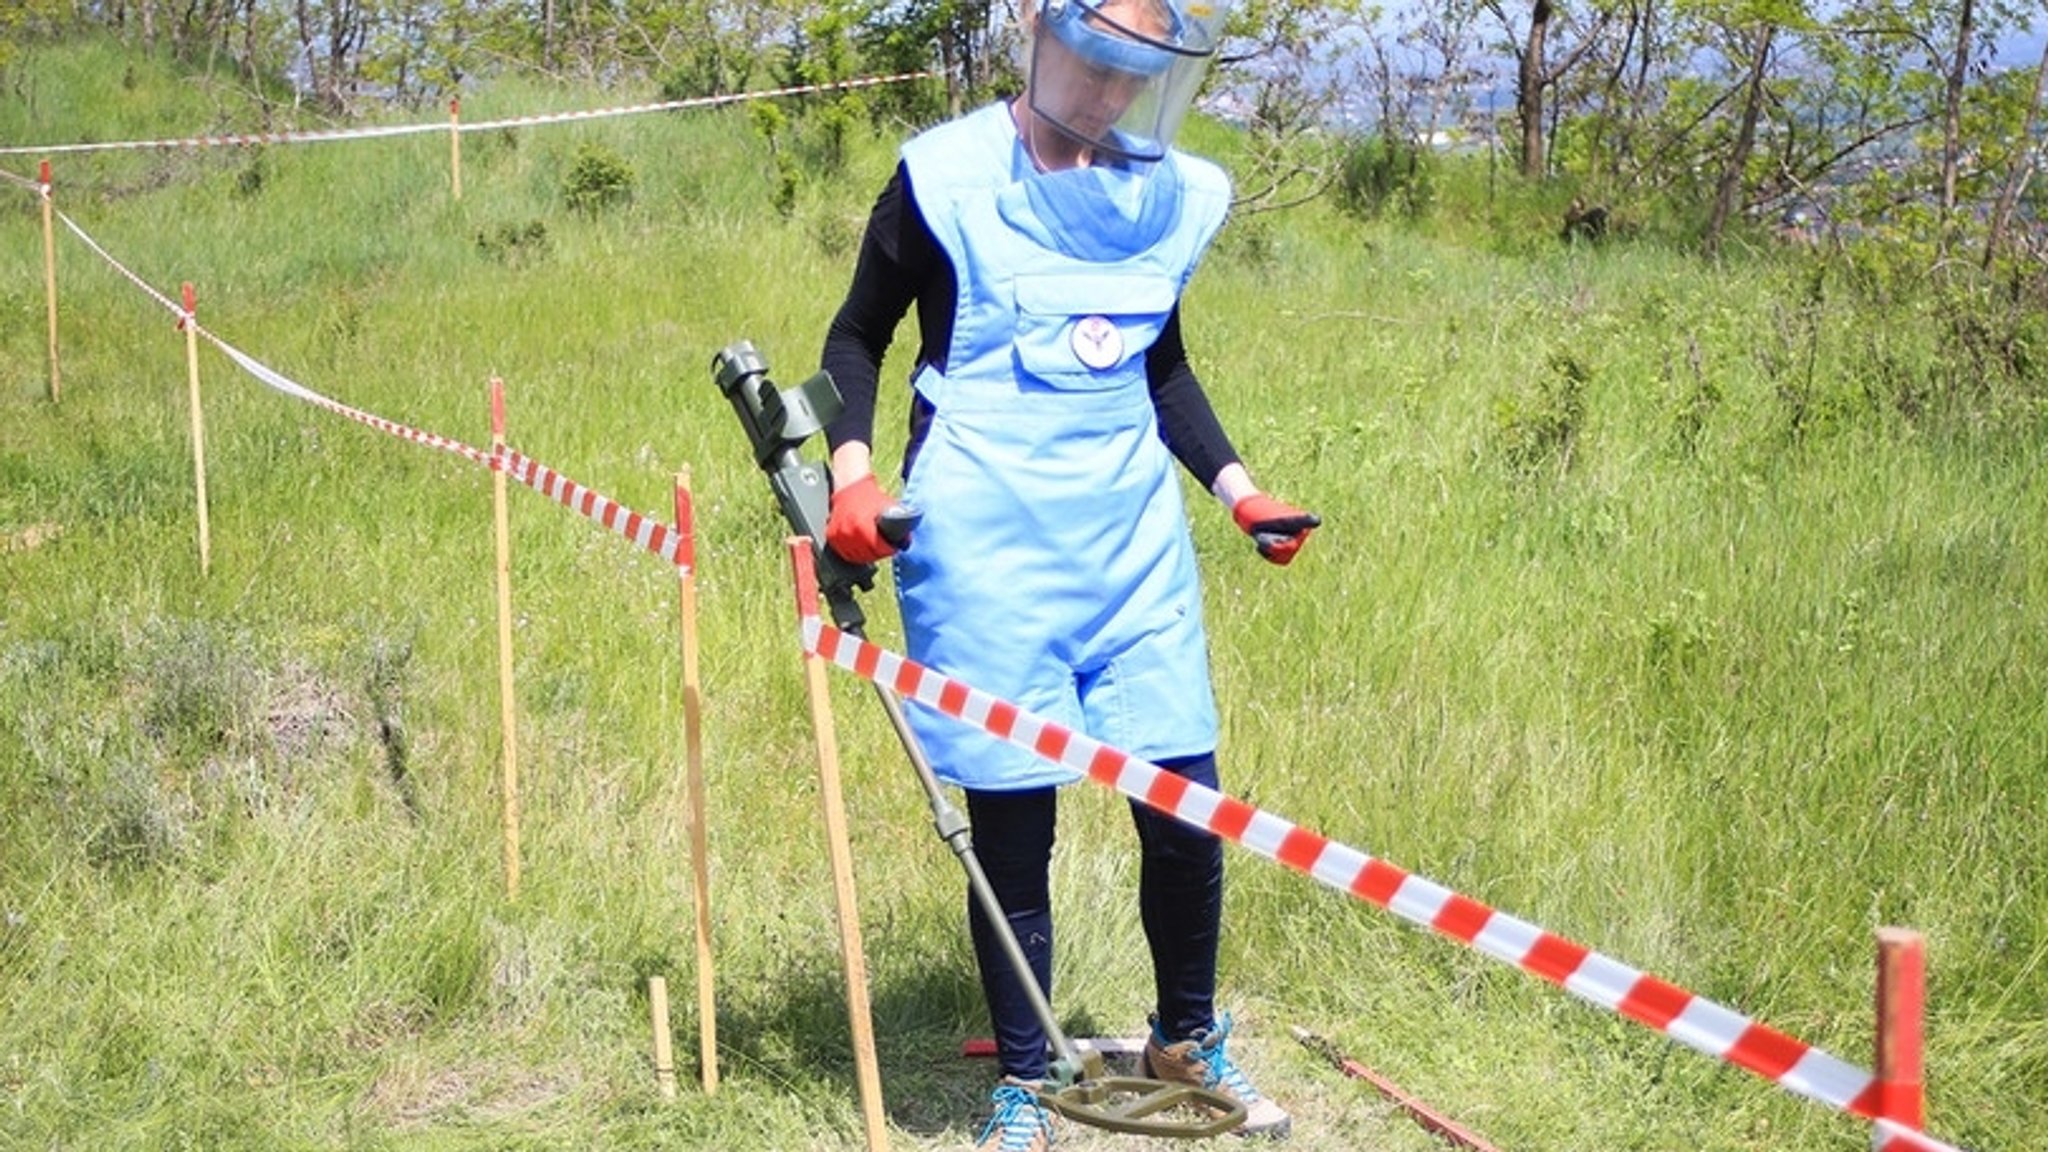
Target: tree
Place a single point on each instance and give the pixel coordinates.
(1736, 163)
(1952, 113)
(19, 19)
(330, 32)
(967, 40)
(2021, 169)
(1536, 71)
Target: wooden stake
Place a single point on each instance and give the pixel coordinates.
(693, 787)
(867, 1069)
(1422, 1113)
(664, 1060)
(190, 323)
(506, 711)
(50, 273)
(1901, 1005)
(455, 144)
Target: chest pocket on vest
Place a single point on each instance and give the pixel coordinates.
(1081, 331)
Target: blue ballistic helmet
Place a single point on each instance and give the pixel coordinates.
(1103, 40)
(1118, 76)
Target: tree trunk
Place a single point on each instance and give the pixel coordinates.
(249, 68)
(1732, 175)
(1529, 91)
(547, 35)
(303, 12)
(1952, 117)
(949, 59)
(345, 30)
(2020, 169)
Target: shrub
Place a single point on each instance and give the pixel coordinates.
(1250, 240)
(196, 686)
(516, 245)
(1545, 427)
(1377, 173)
(772, 125)
(249, 182)
(135, 822)
(599, 178)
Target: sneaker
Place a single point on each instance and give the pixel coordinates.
(1201, 1062)
(1019, 1124)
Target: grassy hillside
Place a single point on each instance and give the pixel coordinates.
(1695, 613)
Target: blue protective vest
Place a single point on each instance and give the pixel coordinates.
(1053, 566)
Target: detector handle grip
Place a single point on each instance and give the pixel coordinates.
(777, 422)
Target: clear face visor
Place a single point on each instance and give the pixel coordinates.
(1118, 76)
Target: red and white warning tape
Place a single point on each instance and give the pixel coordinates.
(86, 239)
(245, 139)
(1893, 1136)
(230, 140)
(694, 102)
(1692, 1020)
(649, 533)
(644, 531)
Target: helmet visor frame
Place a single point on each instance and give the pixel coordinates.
(1111, 87)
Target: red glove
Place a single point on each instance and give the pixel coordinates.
(1278, 529)
(854, 527)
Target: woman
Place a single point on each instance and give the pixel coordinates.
(1044, 242)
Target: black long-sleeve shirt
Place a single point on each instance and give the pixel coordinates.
(902, 264)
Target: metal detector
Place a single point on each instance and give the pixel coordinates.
(777, 422)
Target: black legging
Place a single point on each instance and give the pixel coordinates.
(1180, 901)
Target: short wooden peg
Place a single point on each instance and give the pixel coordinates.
(664, 1059)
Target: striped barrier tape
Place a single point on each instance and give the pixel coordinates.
(1893, 1136)
(86, 239)
(694, 102)
(231, 140)
(1691, 1020)
(646, 532)
(246, 139)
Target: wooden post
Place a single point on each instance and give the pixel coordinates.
(506, 712)
(867, 1069)
(50, 272)
(455, 144)
(664, 1060)
(1901, 1007)
(190, 323)
(693, 787)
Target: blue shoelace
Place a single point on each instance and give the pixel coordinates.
(1019, 1118)
(1223, 1074)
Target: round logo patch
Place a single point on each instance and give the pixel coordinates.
(1097, 342)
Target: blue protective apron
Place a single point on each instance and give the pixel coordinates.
(1053, 566)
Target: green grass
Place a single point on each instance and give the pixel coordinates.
(1646, 609)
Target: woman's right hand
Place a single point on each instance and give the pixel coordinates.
(854, 527)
